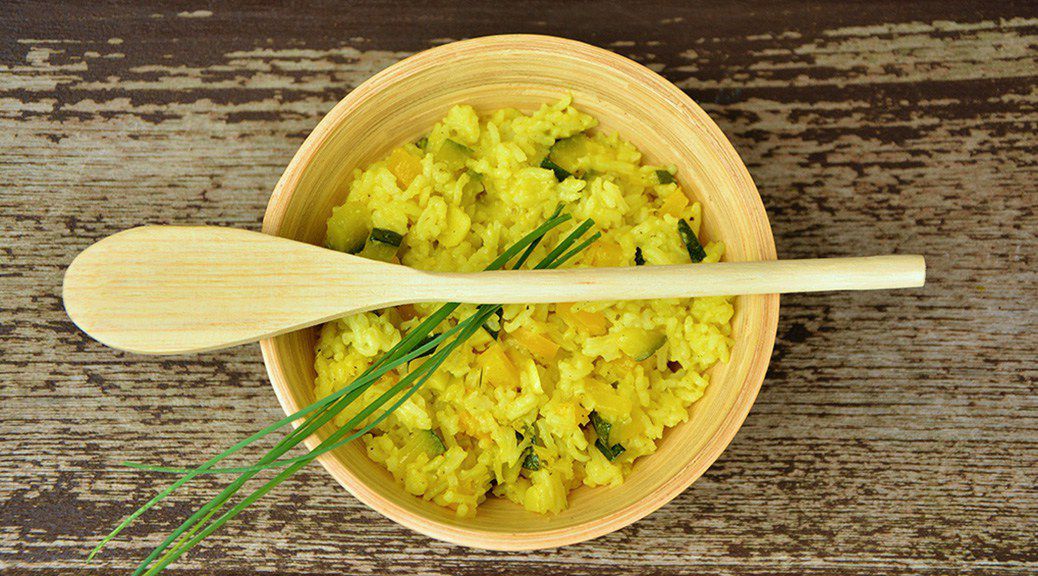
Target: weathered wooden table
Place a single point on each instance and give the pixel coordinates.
(897, 432)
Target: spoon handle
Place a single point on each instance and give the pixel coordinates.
(678, 281)
(176, 289)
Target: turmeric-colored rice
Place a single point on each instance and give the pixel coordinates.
(511, 416)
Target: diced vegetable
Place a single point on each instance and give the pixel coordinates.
(674, 204)
(607, 402)
(560, 173)
(422, 442)
(639, 260)
(601, 427)
(664, 177)
(610, 452)
(493, 325)
(498, 368)
(348, 227)
(594, 323)
(538, 345)
(695, 249)
(382, 245)
(530, 459)
(475, 185)
(567, 153)
(453, 154)
(602, 430)
(605, 253)
(405, 166)
(432, 443)
(387, 237)
(421, 143)
(639, 343)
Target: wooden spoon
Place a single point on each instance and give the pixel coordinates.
(175, 289)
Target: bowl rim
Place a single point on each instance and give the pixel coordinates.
(589, 529)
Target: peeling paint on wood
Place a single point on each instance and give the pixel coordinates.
(896, 432)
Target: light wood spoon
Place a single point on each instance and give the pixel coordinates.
(176, 289)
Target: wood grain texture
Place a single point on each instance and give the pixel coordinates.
(895, 433)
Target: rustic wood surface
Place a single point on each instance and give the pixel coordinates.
(897, 432)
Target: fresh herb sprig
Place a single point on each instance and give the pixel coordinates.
(417, 343)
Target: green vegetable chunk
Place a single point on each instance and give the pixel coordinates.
(610, 452)
(382, 245)
(695, 249)
(530, 459)
(639, 343)
(348, 227)
(493, 325)
(560, 173)
(432, 443)
(453, 154)
(664, 177)
(386, 237)
(567, 153)
(602, 428)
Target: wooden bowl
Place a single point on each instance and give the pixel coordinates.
(524, 71)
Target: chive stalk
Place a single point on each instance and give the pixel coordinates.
(418, 342)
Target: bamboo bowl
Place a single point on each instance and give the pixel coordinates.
(522, 71)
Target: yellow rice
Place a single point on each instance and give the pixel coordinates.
(488, 424)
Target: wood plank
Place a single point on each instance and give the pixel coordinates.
(896, 433)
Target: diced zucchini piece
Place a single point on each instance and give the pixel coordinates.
(695, 249)
(610, 452)
(639, 260)
(382, 245)
(664, 177)
(602, 428)
(560, 173)
(384, 236)
(567, 153)
(453, 154)
(530, 459)
(432, 443)
(639, 343)
(475, 184)
(348, 227)
(493, 325)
